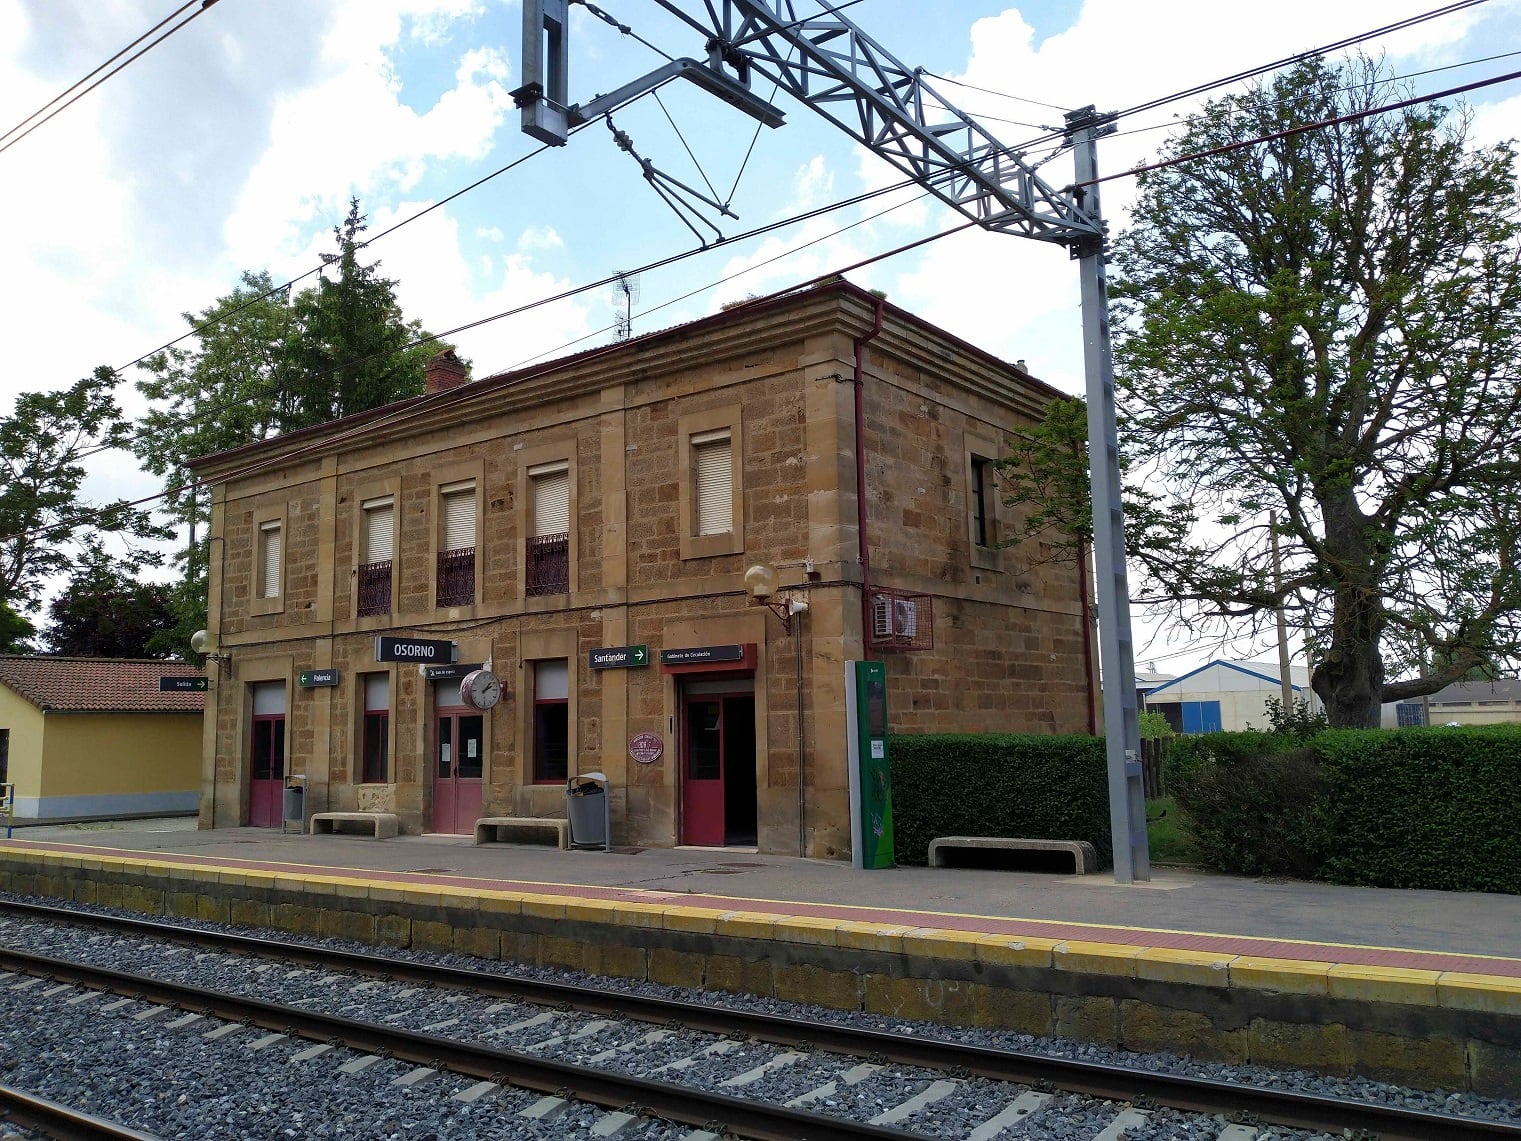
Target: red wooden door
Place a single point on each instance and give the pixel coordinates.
(702, 772)
(266, 783)
(459, 756)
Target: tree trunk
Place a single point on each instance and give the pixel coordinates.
(1349, 679)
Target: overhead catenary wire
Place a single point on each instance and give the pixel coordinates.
(11, 138)
(452, 396)
(1054, 136)
(1400, 77)
(834, 273)
(1298, 129)
(1263, 69)
(92, 74)
(588, 287)
(603, 282)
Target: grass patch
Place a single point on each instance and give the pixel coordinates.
(1168, 835)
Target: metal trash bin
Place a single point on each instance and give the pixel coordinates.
(586, 807)
(294, 802)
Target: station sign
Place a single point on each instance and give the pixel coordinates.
(313, 679)
(690, 655)
(450, 673)
(183, 685)
(423, 650)
(618, 657)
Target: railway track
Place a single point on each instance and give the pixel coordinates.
(49, 1118)
(587, 1044)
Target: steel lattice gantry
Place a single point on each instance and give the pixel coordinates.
(835, 68)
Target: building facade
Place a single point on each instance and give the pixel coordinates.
(583, 531)
(1229, 697)
(98, 737)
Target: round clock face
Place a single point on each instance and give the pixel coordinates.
(481, 689)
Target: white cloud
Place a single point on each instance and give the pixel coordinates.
(538, 238)
(321, 150)
(444, 284)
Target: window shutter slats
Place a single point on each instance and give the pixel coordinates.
(551, 504)
(459, 520)
(715, 486)
(270, 585)
(379, 533)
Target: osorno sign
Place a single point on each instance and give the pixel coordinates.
(392, 649)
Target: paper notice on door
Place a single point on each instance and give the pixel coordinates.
(443, 756)
(472, 748)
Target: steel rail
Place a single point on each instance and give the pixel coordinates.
(52, 1119)
(721, 1113)
(1094, 1079)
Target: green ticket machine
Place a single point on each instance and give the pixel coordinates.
(871, 785)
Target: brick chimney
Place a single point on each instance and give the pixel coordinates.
(443, 372)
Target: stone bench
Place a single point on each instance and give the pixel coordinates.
(1007, 852)
(489, 829)
(383, 825)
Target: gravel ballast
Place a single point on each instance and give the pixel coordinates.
(264, 1090)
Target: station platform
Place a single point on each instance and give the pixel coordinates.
(1418, 986)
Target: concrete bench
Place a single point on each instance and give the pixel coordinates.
(384, 825)
(489, 829)
(1013, 854)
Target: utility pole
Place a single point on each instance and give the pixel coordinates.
(1284, 673)
(1122, 731)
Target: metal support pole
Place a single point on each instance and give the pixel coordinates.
(1285, 673)
(1122, 733)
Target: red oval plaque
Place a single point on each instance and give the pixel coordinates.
(646, 747)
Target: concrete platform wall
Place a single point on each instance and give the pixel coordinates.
(1448, 1031)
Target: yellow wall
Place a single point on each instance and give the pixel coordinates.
(24, 720)
(108, 753)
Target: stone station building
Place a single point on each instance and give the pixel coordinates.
(544, 519)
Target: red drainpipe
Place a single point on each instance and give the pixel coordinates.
(859, 379)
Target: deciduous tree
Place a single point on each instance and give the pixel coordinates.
(1327, 325)
(46, 522)
(106, 613)
(265, 362)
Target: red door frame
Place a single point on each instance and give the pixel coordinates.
(457, 799)
(266, 807)
(703, 817)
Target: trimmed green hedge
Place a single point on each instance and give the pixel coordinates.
(1417, 808)
(998, 784)
(1429, 808)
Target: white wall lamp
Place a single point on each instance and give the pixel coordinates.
(762, 581)
(200, 642)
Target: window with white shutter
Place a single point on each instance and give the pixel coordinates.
(459, 516)
(713, 466)
(379, 530)
(551, 499)
(269, 560)
(454, 584)
(711, 482)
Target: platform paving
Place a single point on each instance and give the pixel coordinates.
(1179, 909)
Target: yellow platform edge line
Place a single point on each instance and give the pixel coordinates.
(1126, 950)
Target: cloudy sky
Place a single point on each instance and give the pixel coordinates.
(236, 144)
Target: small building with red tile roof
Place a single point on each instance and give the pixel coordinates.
(100, 737)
